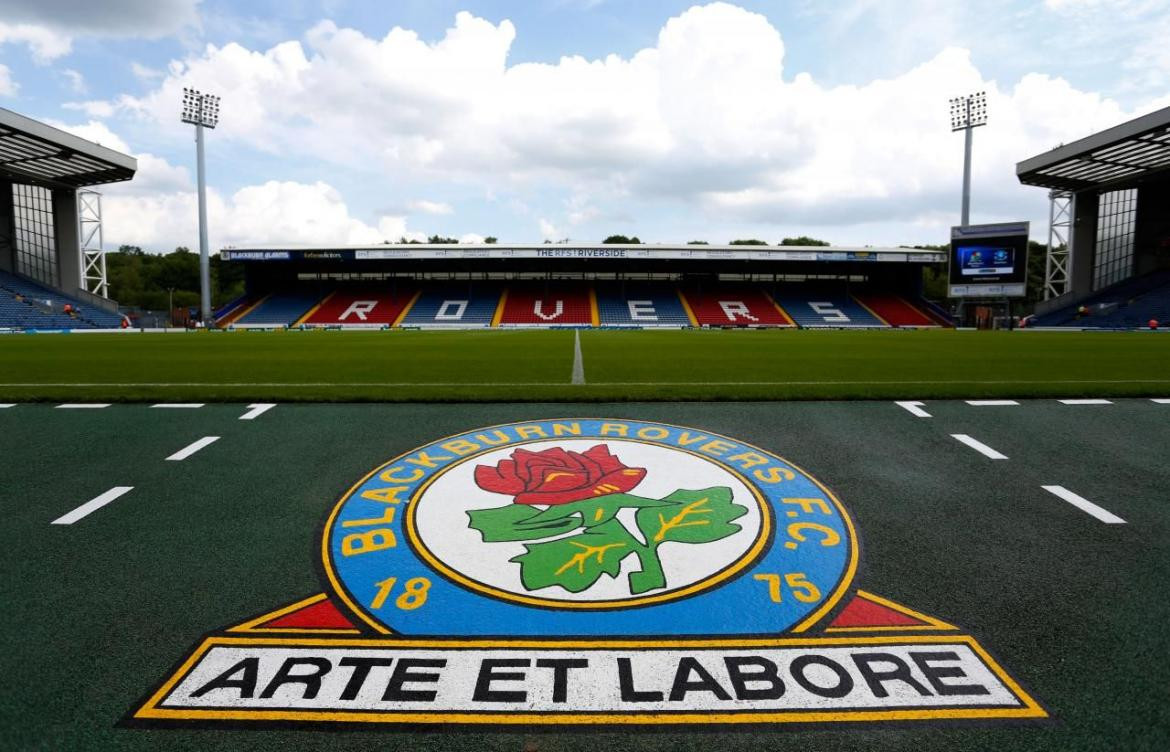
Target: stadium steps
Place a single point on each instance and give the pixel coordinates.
(278, 309)
(361, 307)
(825, 308)
(735, 306)
(639, 304)
(547, 305)
(453, 306)
(894, 310)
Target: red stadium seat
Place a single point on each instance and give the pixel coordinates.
(735, 306)
(366, 306)
(548, 305)
(894, 310)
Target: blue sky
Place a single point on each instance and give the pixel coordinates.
(348, 121)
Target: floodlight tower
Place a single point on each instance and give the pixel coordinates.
(202, 111)
(968, 113)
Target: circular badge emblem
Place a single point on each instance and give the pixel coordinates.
(589, 527)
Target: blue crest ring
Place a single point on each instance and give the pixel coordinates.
(804, 532)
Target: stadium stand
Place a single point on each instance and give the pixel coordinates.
(814, 306)
(24, 304)
(366, 306)
(278, 309)
(552, 304)
(639, 304)
(454, 305)
(894, 309)
(1126, 305)
(734, 306)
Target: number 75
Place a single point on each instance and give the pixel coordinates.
(797, 582)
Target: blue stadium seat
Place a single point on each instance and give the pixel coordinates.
(280, 309)
(639, 304)
(42, 308)
(824, 307)
(1126, 305)
(454, 305)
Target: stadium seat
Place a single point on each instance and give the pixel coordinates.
(552, 304)
(639, 304)
(815, 306)
(894, 309)
(1126, 305)
(279, 309)
(454, 305)
(367, 306)
(41, 308)
(734, 306)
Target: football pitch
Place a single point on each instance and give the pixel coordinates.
(565, 365)
(1038, 526)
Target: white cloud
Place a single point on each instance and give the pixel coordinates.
(94, 107)
(118, 18)
(75, 79)
(8, 87)
(45, 44)
(471, 237)
(430, 207)
(705, 118)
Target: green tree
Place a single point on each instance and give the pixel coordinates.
(697, 242)
(621, 240)
(441, 239)
(803, 240)
(490, 240)
(747, 241)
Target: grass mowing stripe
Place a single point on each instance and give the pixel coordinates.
(529, 365)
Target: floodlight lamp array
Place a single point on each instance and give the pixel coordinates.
(199, 108)
(969, 111)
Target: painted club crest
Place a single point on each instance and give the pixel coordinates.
(590, 571)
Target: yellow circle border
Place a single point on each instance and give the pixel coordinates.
(826, 606)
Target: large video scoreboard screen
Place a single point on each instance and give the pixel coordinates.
(989, 260)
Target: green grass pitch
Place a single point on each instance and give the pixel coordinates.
(536, 365)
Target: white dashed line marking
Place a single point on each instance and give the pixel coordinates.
(1084, 505)
(7, 404)
(192, 448)
(256, 411)
(1161, 400)
(993, 403)
(978, 446)
(83, 405)
(914, 408)
(1085, 402)
(179, 405)
(92, 505)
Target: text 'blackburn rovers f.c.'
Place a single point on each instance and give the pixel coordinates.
(589, 572)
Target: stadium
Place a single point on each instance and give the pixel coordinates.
(556, 495)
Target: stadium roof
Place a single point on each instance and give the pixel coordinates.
(1123, 154)
(32, 152)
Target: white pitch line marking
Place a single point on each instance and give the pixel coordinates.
(1158, 400)
(256, 410)
(7, 404)
(578, 360)
(914, 408)
(978, 446)
(83, 405)
(993, 403)
(92, 505)
(1085, 402)
(1083, 504)
(179, 405)
(192, 448)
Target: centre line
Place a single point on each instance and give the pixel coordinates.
(92, 505)
(179, 405)
(578, 360)
(1084, 505)
(256, 410)
(992, 403)
(914, 408)
(979, 446)
(1085, 402)
(192, 448)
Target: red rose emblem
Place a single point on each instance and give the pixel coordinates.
(555, 476)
